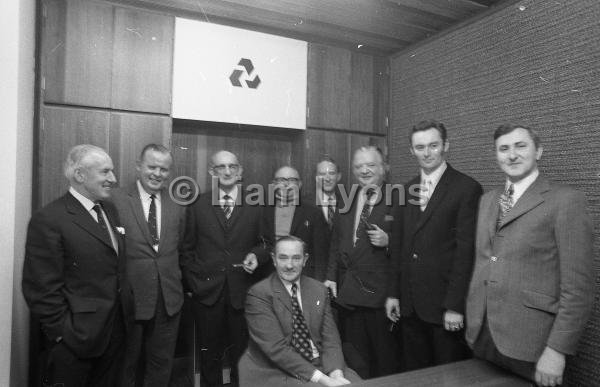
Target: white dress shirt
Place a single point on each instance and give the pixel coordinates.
(430, 182)
(521, 186)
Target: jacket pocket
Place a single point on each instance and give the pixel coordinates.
(539, 301)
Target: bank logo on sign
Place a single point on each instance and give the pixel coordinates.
(238, 75)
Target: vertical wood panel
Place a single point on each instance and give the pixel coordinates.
(329, 76)
(318, 144)
(143, 61)
(362, 93)
(129, 133)
(77, 52)
(62, 129)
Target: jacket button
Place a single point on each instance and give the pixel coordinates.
(494, 259)
(485, 282)
(415, 256)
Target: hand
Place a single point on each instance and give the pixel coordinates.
(332, 286)
(250, 263)
(378, 237)
(331, 382)
(453, 321)
(549, 368)
(392, 309)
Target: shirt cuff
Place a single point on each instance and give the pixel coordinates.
(316, 376)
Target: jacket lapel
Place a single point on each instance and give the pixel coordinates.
(309, 302)
(85, 220)
(280, 292)
(298, 216)
(530, 199)
(438, 194)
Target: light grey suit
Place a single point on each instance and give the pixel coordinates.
(533, 277)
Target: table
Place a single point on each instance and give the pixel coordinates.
(473, 372)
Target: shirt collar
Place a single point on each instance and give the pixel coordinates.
(521, 186)
(85, 202)
(436, 175)
(288, 285)
(233, 194)
(144, 194)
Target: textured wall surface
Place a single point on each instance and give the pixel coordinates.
(535, 63)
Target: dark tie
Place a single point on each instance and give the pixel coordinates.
(361, 230)
(330, 214)
(98, 208)
(227, 207)
(505, 203)
(152, 220)
(300, 334)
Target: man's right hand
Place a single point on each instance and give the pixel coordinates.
(392, 309)
(332, 286)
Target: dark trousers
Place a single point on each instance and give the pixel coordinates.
(426, 344)
(63, 367)
(150, 347)
(219, 327)
(484, 348)
(368, 343)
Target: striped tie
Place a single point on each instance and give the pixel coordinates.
(227, 206)
(506, 203)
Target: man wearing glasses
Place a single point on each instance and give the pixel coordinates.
(291, 216)
(359, 268)
(221, 251)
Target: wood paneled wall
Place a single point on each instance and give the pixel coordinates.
(106, 73)
(532, 63)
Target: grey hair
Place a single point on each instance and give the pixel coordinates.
(76, 156)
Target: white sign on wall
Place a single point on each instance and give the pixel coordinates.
(228, 74)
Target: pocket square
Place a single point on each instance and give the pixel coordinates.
(120, 230)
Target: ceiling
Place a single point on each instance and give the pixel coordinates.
(373, 26)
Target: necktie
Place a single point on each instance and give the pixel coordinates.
(300, 334)
(101, 222)
(505, 203)
(152, 220)
(361, 230)
(330, 214)
(227, 206)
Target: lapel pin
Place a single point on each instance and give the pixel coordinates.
(318, 302)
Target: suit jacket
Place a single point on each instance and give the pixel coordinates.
(148, 269)
(270, 358)
(73, 279)
(212, 245)
(362, 271)
(533, 278)
(433, 250)
(308, 225)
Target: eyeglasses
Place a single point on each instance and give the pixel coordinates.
(289, 180)
(222, 167)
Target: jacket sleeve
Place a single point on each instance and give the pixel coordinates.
(462, 263)
(331, 352)
(574, 239)
(395, 250)
(320, 244)
(264, 239)
(43, 274)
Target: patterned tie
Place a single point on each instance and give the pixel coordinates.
(300, 334)
(227, 206)
(506, 203)
(330, 214)
(152, 221)
(361, 230)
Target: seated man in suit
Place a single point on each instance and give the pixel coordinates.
(292, 216)
(293, 339)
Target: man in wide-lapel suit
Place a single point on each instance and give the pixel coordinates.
(432, 251)
(291, 216)
(74, 276)
(532, 286)
(223, 246)
(154, 225)
(328, 197)
(359, 268)
(293, 338)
